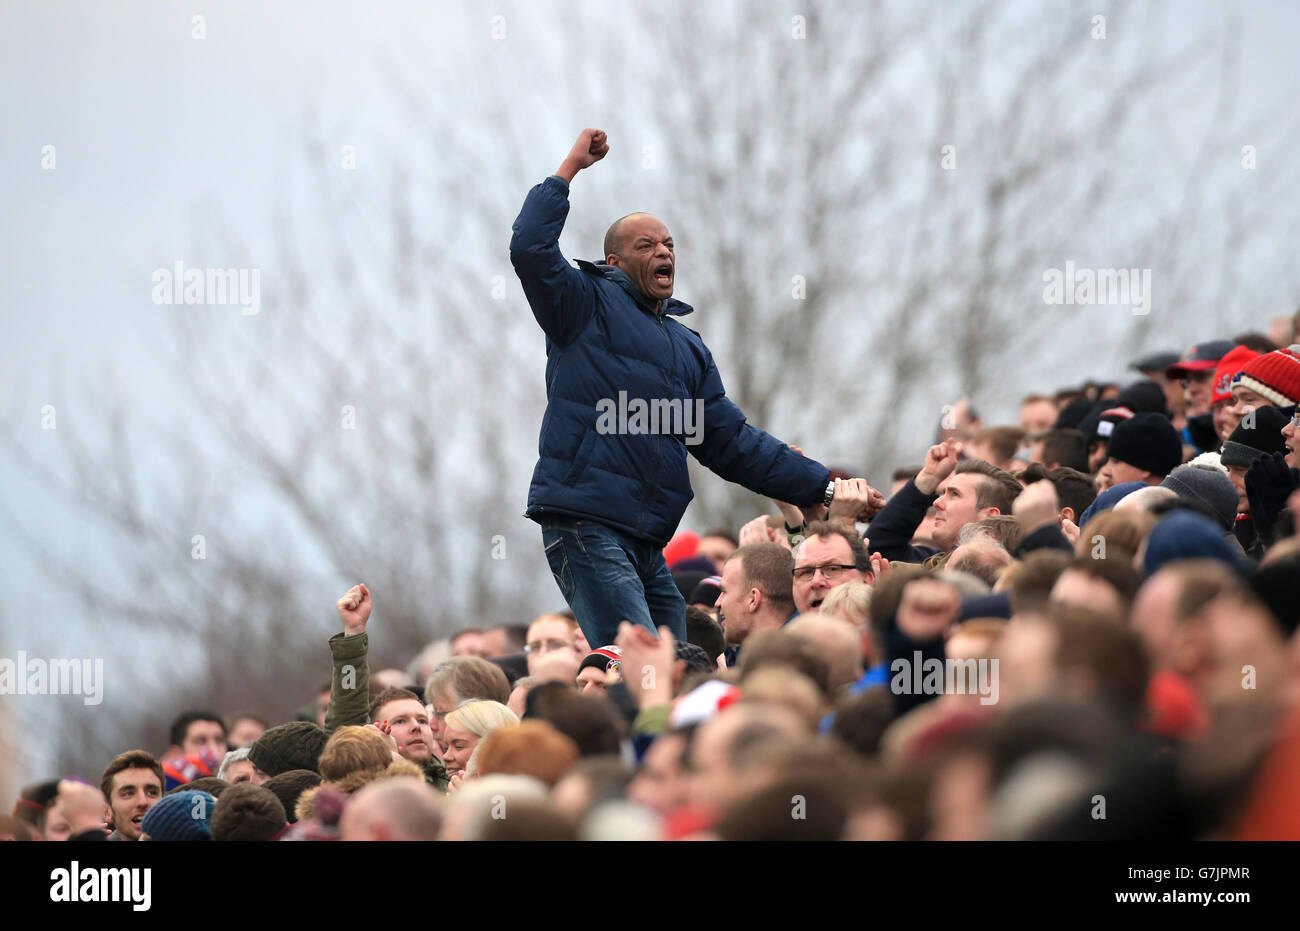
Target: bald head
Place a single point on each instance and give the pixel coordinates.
(404, 808)
(614, 235)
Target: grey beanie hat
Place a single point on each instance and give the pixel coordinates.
(1208, 485)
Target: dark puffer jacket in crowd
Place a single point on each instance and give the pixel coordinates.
(603, 338)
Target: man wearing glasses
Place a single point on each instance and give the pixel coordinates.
(828, 557)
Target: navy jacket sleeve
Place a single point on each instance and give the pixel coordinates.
(562, 298)
(892, 529)
(743, 454)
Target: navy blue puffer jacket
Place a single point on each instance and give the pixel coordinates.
(602, 338)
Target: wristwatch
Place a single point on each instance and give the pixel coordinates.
(830, 493)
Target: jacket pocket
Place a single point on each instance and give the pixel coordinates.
(579, 464)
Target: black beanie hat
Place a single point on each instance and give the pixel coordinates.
(296, 745)
(1264, 435)
(1147, 441)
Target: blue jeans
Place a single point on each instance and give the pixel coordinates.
(607, 577)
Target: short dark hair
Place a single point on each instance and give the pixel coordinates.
(131, 759)
(209, 784)
(1065, 447)
(1004, 441)
(590, 722)
(703, 631)
(247, 812)
(463, 631)
(181, 726)
(1075, 489)
(769, 567)
(1256, 341)
(822, 528)
(998, 491)
(861, 721)
(391, 694)
(289, 785)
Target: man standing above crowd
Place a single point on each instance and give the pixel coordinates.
(610, 496)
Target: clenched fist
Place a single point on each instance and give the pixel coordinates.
(354, 609)
(590, 148)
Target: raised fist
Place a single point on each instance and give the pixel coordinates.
(590, 148)
(354, 609)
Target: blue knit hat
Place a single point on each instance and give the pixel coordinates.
(1184, 534)
(180, 816)
(1108, 499)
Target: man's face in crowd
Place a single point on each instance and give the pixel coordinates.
(134, 792)
(1197, 391)
(409, 725)
(595, 681)
(955, 508)
(1115, 472)
(322, 707)
(469, 645)
(243, 771)
(495, 643)
(1225, 418)
(733, 603)
(546, 635)
(245, 731)
(661, 784)
(1244, 401)
(1037, 416)
(809, 593)
(646, 253)
(1291, 433)
(1237, 475)
(716, 550)
(205, 735)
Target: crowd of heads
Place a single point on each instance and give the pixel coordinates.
(1078, 626)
